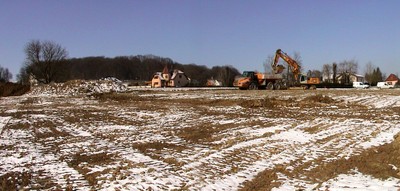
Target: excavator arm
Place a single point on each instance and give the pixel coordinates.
(294, 66)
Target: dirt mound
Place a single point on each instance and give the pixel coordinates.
(76, 87)
(15, 180)
(13, 89)
(319, 99)
(266, 102)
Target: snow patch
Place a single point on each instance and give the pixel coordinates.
(3, 122)
(381, 138)
(293, 135)
(359, 181)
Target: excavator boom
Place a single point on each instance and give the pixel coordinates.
(294, 66)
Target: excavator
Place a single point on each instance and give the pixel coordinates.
(294, 66)
(302, 80)
(254, 80)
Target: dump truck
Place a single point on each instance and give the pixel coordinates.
(252, 80)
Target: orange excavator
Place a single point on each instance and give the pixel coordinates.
(301, 80)
(294, 66)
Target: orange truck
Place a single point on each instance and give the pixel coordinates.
(252, 80)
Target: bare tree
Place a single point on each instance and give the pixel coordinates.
(384, 76)
(268, 64)
(335, 72)
(373, 74)
(23, 76)
(298, 59)
(327, 72)
(42, 59)
(316, 74)
(5, 75)
(369, 70)
(348, 66)
(225, 74)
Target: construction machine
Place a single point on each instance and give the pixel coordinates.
(255, 80)
(294, 66)
(252, 80)
(301, 80)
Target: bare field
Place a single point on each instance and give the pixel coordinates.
(202, 140)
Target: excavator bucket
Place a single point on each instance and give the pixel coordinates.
(279, 69)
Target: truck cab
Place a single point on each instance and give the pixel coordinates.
(249, 74)
(247, 80)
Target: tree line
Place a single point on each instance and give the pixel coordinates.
(331, 72)
(47, 62)
(372, 73)
(5, 74)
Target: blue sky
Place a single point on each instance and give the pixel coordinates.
(208, 32)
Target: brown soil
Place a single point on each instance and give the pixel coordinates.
(377, 162)
(197, 127)
(13, 89)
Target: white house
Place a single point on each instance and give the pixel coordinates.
(341, 78)
(176, 78)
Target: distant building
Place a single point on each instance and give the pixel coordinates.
(178, 79)
(158, 80)
(343, 78)
(175, 78)
(347, 78)
(327, 78)
(392, 79)
(213, 83)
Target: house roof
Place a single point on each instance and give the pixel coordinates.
(351, 74)
(165, 70)
(392, 77)
(159, 74)
(359, 75)
(176, 72)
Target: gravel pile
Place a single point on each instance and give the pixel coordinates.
(77, 87)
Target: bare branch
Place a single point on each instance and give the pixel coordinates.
(42, 59)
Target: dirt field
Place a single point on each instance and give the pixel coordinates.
(202, 140)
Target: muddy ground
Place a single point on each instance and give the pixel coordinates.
(12, 89)
(198, 139)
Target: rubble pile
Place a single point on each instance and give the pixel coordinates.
(76, 87)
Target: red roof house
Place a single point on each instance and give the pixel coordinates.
(392, 79)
